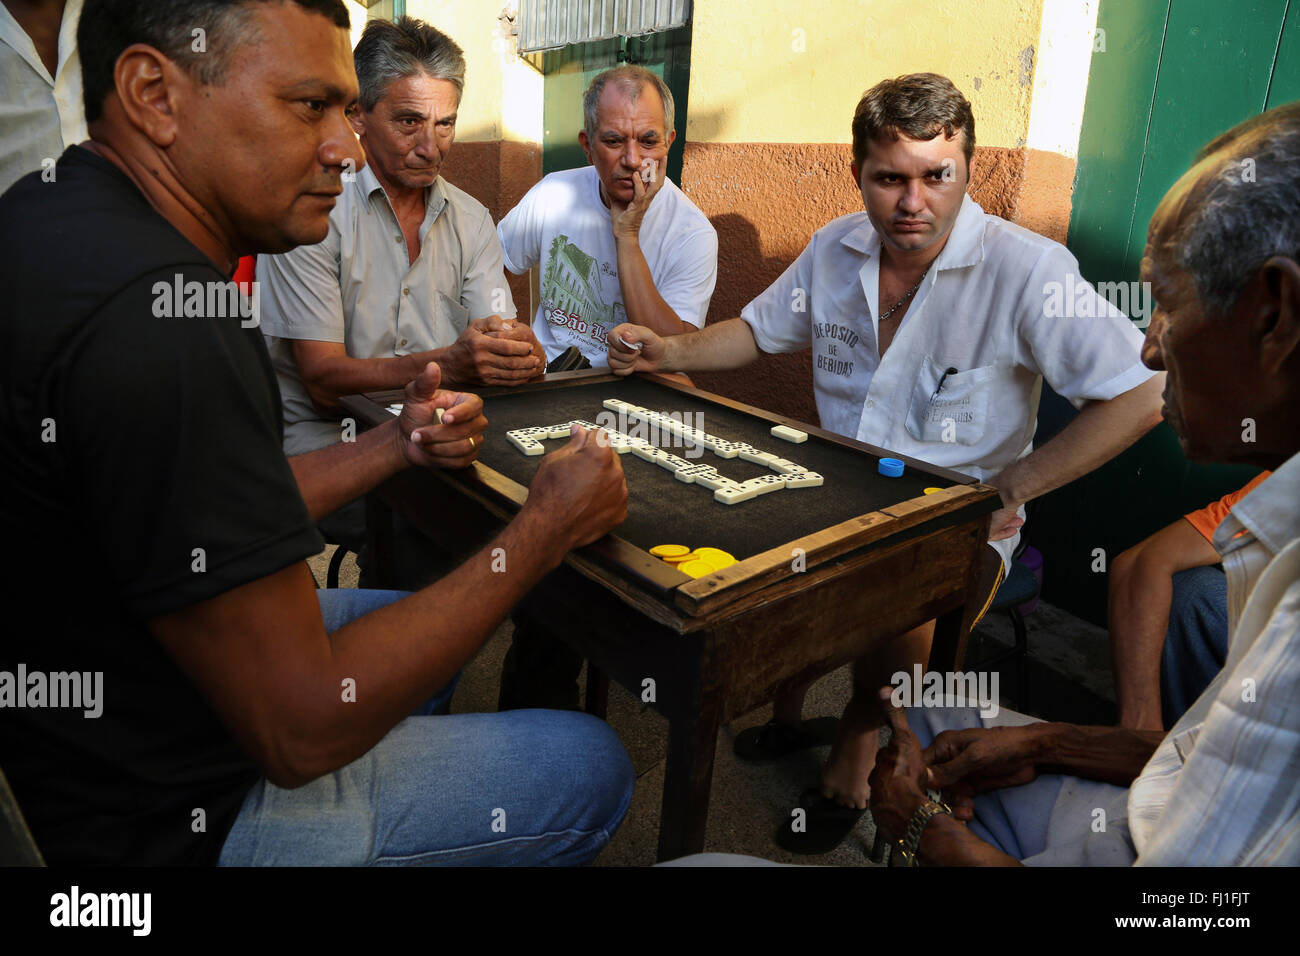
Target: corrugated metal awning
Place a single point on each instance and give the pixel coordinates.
(551, 24)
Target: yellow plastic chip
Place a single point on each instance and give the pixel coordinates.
(930, 491)
(710, 553)
(669, 550)
(718, 562)
(696, 569)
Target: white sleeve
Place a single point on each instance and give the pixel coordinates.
(1084, 347)
(483, 289)
(688, 281)
(1236, 802)
(780, 317)
(520, 233)
(299, 292)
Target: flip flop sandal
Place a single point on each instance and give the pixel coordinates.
(826, 825)
(772, 741)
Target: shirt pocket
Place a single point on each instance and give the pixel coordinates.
(948, 405)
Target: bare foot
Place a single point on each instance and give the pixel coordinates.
(844, 777)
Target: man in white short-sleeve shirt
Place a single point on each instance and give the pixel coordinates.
(932, 325)
(41, 109)
(411, 270)
(617, 241)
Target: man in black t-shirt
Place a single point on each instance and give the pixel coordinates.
(181, 699)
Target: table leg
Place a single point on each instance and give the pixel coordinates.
(952, 629)
(597, 691)
(692, 739)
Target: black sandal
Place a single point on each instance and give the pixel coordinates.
(826, 824)
(772, 740)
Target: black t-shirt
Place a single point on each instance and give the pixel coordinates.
(142, 473)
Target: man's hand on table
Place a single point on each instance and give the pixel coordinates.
(453, 443)
(495, 351)
(497, 327)
(624, 359)
(579, 491)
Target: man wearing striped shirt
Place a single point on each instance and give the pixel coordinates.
(1223, 786)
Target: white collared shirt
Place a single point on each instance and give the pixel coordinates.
(359, 287)
(960, 382)
(40, 115)
(1223, 788)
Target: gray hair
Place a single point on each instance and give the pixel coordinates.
(1250, 211)
(631, 80)
(391, 51)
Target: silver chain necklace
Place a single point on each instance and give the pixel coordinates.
(910, 292)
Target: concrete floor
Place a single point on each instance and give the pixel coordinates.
(1068, 674)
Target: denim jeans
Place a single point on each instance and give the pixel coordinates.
(527, 788)
(1196, 643)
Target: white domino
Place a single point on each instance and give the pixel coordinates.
(734, 496)
(789, 434)
(649, 453)
(526, 443)
(689, 475)
(618, 441)
(763, 484)
(783, 466)
(673, 463)
(558, 430)
(397, 410)
(806, 479)
(713, 481)
(757, 457)
(615, 404)
(730, 449)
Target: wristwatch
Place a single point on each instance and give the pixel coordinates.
(911, 840)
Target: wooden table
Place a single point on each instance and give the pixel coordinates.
(824, 573)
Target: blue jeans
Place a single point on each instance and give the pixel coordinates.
(1196, 643)
(525, 788)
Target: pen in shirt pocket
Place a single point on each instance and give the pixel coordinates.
(942, 379)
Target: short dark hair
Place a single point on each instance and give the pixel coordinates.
(918, 105)
(390, 51)
(108, 27)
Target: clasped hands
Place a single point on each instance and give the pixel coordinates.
(959, 763)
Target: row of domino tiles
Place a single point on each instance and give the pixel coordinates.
(726, 490)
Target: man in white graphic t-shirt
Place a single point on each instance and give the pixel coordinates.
(616, 241)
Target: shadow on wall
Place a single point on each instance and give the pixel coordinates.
(779, 383)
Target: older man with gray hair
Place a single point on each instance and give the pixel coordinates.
(411, 270)
(617, 241)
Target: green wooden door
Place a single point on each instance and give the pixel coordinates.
(569, 71)
(1173, 75)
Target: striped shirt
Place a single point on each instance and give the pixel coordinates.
(1223, 788)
